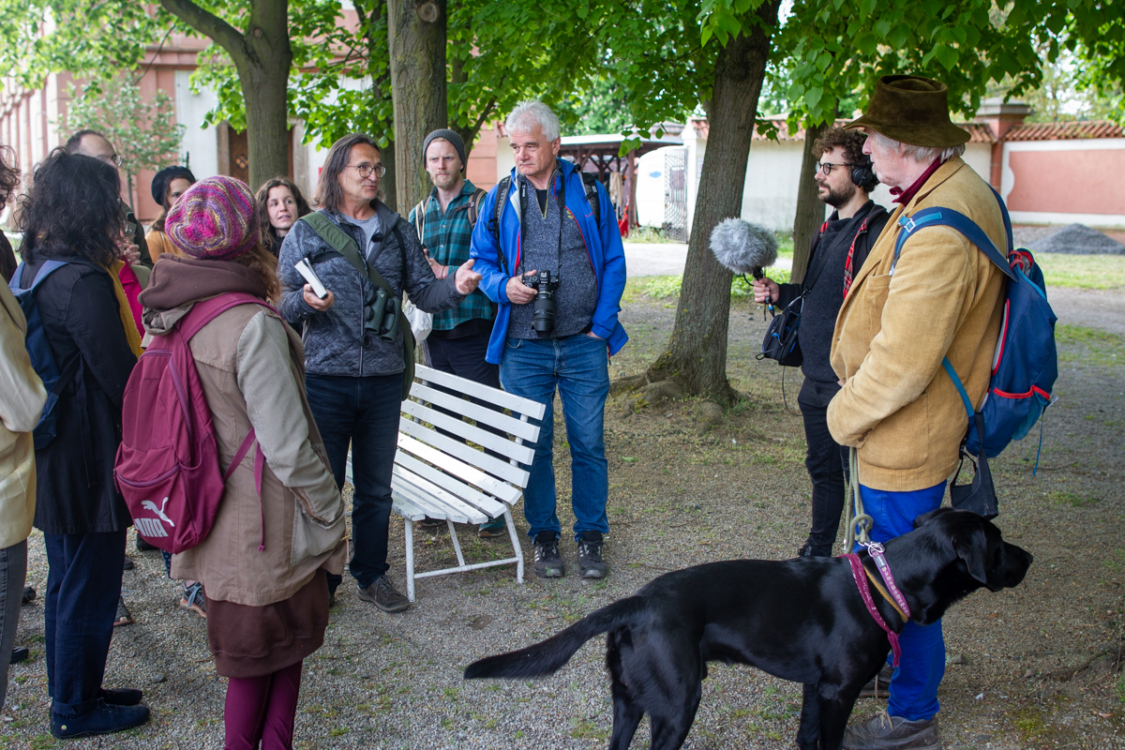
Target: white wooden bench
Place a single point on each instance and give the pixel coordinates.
(439, 476)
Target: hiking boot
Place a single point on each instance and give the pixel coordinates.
(880, 684)
(494, 528)
(548, 561)
(28, 595)
(590, 562)
(143, 545)
(19, 653)
(884, 732)
(123, 616)
(128, 563)
(103, 718)
(194, 600)
(432, 524)
(383, 595)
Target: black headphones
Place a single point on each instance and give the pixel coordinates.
(863, 173)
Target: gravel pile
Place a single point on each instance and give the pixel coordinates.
(1033, 667)
(1074, 239)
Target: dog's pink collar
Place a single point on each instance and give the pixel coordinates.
(860, 576)
(876, 551)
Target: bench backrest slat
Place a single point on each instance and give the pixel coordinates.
(460, 474)
(462, 429)
(451, 487)
(446, 459)
(481, 414)
(470, 455)
(516, 404)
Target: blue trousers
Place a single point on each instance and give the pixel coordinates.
(83, 585)
(578, 366)
(915, 683)
(362, 413)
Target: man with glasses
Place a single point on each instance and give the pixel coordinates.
(92, 143)
(845, 180)
(354, 361)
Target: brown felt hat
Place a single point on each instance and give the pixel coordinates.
(912, 110)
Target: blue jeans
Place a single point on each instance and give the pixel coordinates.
(579, 367)
(83, 586)
(362, 413)
(915, 683)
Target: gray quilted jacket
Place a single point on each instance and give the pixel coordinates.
(335, 340)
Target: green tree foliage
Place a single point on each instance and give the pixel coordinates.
(145, 134)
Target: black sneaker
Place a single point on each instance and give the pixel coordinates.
(28, 595)
(102, 719)
(143, 545)
(548, 561)
(590, 562)
(384, 596)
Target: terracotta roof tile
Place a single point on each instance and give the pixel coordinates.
(1064, 131)
(980, 132)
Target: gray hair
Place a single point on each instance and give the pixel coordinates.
(530, 113)
(920, 154)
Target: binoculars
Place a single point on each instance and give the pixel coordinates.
(381, 312)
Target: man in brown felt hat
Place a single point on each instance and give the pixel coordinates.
(897, 406)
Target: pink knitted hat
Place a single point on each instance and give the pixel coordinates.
(214, 220)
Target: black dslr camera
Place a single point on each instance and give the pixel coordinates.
(545, 306)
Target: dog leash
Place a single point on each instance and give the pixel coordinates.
(859, 573)
(857, 517)
(895, 597)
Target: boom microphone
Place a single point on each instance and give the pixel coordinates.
(742, 247)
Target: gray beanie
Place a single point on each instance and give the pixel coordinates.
(450, 136)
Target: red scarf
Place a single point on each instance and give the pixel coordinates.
(904, 196)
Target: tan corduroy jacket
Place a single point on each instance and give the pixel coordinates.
(945, 298)
(21, 403)
(251, 368)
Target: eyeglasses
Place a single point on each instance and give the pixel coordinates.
(113, 160)
(827, 167)
(365, 170)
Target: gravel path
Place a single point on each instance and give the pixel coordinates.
(677, 498)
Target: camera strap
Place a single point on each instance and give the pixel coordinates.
(561, 200)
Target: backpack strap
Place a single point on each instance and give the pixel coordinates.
(420, 220)
(502, 189)
(205, 311)
(474, 207)
(590, 183)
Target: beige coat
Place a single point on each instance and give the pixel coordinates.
(21, 403)
(945, 298)
(250, 366)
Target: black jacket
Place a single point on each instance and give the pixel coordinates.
(823, 301)
(75, 489)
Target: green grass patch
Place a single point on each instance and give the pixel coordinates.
(1082, 271)
(1089, 345)
(1073, 500)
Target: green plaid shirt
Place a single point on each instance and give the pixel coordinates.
(447, 239)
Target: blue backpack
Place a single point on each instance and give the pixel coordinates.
(1026, 364)
(39, 349)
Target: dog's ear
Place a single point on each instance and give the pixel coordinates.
(925, 518)
(971, 545)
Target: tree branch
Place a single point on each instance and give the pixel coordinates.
(210, 25)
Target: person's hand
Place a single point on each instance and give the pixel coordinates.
(466, 279)
(766, 288)
(131, 254)
(439, 270)
(316, 303)
(518, 292)
(593, 335)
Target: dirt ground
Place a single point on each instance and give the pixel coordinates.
(1034, 667)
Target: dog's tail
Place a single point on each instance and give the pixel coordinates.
(547, 657)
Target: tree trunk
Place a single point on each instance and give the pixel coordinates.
(262, 57)
(810, 210)
(697, 352)
(389, 184)
(416, 31)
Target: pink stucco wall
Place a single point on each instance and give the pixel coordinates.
(1071, 181)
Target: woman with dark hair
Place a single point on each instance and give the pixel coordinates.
(167, 187)
(279, 529)
(280, 204)
(9, 180)
(73, 216)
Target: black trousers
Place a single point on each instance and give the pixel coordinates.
(83, 585)
(464, 357)
(827, 462)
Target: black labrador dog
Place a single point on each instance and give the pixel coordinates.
(802, 620)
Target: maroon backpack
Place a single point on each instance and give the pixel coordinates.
(167, 465)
